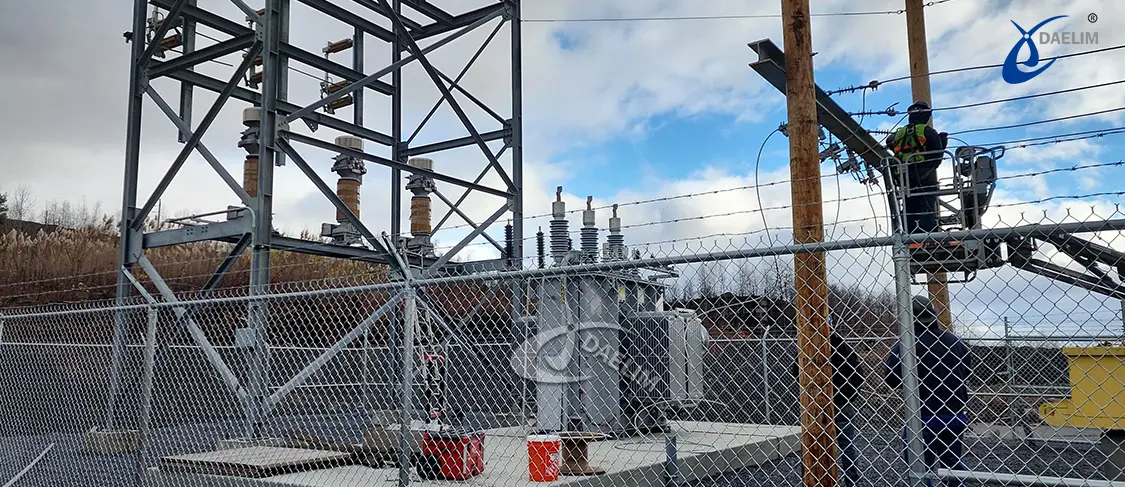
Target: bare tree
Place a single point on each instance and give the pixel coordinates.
(3, 206)
(22, 205)
(59, 213)
(747, 281)
(707, 280)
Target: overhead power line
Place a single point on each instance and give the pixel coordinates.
(892, 112)
(875, 84)
(1057, 138)
(717, 17)
(1037, 122)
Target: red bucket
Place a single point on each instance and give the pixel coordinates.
(543, 457)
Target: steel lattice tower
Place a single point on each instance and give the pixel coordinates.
(166, 46)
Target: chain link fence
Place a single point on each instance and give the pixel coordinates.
(678, 366)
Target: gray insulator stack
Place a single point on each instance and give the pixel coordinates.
(589, 235)
(615, 243)
(560, 230)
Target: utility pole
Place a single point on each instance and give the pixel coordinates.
(818, 437)
(936, 283)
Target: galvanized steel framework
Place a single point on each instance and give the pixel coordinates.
(268, 36)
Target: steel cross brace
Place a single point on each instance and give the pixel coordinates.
(211, 159)
(448, 96)
(293, 136)
(213, 282)
(454, 82)
(193, 141)
(467, 192)
(465, 241)
(387, 70)
(194, 330)
(313, 367)
(336, 201)
(438, 28)
(468, 220)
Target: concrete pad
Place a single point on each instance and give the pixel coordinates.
(255, 461)
(704, 449)
(233, 443)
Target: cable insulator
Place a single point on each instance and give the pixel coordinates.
(509, 243)
(560, 240)
(589, 242)
(560, 234)
(589, 233)
(338, 46)
(540, 248)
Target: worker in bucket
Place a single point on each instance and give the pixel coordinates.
(943, 364)
(846, 381)
(919, 148)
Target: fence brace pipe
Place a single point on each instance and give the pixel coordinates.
(909, 364)
(1024, 480)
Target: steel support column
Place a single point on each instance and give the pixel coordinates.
(130, 239)
(399, 148)
(258, 312)
(187, 91)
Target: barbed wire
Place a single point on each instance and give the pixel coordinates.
(1060, 197)
(868, 195)
(890, 111)
(1037, 122)
(664, 198)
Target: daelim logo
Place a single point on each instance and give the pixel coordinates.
(1011, 71)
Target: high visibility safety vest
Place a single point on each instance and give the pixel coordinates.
(908, 144)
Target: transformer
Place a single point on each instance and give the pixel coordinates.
(601, 354)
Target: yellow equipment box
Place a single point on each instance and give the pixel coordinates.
(1097, 390)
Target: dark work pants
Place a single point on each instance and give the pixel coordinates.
(847, 453)
(921, 214)
(944, 446)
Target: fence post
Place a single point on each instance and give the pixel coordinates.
(671, 461)
(1009, 366)
(147, 392)
(913, 405)
(410, 321)
(766, 375)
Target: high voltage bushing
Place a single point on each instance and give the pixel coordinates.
(350, 171)
(614, 250)
(560, 234)
(589, 234)
(251, 118)
(421, 185)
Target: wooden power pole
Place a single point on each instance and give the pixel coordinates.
(818, 428)
(920, 88)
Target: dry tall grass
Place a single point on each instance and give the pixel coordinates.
(67, 265)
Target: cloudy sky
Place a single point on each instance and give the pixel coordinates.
(627, 110)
